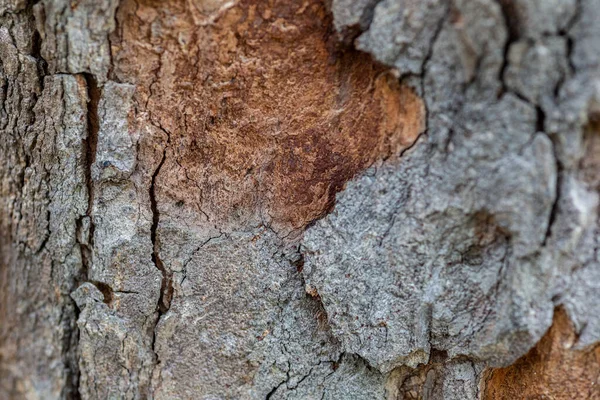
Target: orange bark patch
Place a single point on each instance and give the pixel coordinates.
(266, 115)
(551, 370)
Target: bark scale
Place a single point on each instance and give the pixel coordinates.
(375, 199)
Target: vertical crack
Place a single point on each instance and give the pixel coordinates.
(511, 23)
(566, 32)
(90, 143)
(540, 121)
(557, 193)
(84, 224)
(166, 287)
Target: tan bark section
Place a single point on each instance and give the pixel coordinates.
(551, 370)
(263, 114)
(590, 164)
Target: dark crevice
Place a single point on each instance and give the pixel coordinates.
(299, 264)
(405, 78)
(84, 224)
(111, 37)
(166, 286)
(434, 39)
(540, 121)
(554, 209)
(42, 246)
(36, 51)
(70, 390)
(559, 84)
(84, 233)
(567, 33)
(413, 144)
(90, 144)
(558, 185)
(69, 312)
(272, 392)
(511, 19)
(570, 44)
(93, 122)
(106, 291)
(348, 34)
(366, 18)
(438, 356)
(312, 296)
(511, 22)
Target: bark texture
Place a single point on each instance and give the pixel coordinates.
(281, 199)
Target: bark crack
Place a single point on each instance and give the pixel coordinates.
(166, 288)
(90, 143)
(512, 31)
(84, 224)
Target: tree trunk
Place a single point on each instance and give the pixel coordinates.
(281, 199)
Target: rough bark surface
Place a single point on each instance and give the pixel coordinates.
(552, 369)
(269, 199)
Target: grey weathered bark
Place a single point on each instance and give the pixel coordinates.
(374, 199)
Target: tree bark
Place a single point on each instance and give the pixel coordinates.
(281, 199)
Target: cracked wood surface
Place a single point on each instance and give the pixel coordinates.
(374, 199)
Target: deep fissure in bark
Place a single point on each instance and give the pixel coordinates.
(84, 224)
(558, 184)
(512, 29)
(166, 287)
(90, 144)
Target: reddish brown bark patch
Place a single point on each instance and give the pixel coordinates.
(265, 114)
(551, 370)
